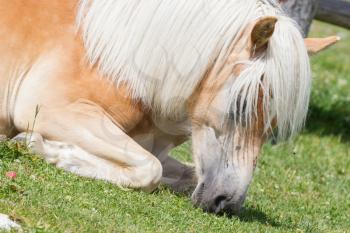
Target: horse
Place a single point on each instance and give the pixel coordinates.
(105, 89)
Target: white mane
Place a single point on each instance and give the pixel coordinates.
(286, 82)
(163, 48)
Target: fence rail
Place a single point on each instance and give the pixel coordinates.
(336, 12)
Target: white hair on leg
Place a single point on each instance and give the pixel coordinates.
(6, 224)
(78, 161)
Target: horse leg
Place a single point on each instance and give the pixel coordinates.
(100, 146)
(185, 182)
(178, 176)
(72, 158)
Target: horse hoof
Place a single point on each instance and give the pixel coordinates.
(185, 184)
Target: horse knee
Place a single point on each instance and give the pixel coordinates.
(150, 175)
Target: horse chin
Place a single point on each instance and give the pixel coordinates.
(217, 201)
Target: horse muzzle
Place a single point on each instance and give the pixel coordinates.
(217, 202)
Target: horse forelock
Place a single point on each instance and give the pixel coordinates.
(162, 49)
(279, 80)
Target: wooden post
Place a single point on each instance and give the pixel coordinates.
(336, 12)
(302, 11)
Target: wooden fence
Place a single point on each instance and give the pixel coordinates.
(336, 12)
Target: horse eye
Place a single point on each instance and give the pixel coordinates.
(237, 111)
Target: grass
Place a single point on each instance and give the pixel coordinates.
(300, 187)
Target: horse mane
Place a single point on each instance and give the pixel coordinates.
(162, 49)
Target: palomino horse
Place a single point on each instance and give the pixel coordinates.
(105, 88)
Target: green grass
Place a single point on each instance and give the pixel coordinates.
(300, 187)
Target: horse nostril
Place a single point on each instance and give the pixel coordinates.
(219, 204)
(220, 200)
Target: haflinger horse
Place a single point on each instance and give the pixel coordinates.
(106, 88)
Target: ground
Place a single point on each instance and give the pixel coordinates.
(303, 186)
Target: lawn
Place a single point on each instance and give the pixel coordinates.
(303, 186)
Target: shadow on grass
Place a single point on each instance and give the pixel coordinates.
(330, 122)
(249, 214)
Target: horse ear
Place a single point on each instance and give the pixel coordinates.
(262, 32)
(316, 45)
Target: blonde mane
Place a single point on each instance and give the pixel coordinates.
(283, 75)
(163, 48)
